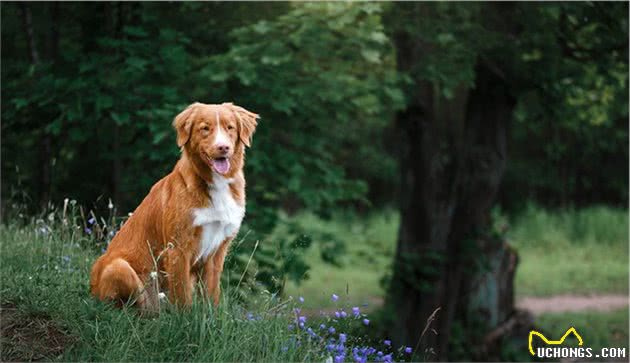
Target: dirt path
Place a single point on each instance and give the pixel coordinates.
(565, 303)
(572, 303)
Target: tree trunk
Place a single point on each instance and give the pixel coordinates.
(452, 163)
(44, 152)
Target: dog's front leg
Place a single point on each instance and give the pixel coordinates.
(177, 266)
(213, 269)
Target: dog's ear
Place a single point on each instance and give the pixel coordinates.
(247, 122)
(183, 123)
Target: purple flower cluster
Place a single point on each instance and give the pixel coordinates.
(340, 346)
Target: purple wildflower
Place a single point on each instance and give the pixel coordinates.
(408, 350)
(387, 358)
(366, 321)
(87, 230)
(343, 314)
(301, 299)
(334, 297)
(331, 330)
(339, 358)
(337, 314)
(355, 311)
(387, 342)
(91, 220)
(311, 333)
(342, 338)
(322, 326)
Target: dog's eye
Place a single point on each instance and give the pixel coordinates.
(205, 128)
(230, 127)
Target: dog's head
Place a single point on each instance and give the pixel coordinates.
(215, 135)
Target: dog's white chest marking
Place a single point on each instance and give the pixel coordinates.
(222, 219)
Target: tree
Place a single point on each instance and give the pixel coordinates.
(468, 70)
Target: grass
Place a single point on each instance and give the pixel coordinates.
(48, 314)
(44, 292)
(369, 253)
(572, 252)
(577, 251)
(598, 329)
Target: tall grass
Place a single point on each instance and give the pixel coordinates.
(571, 252)
(600, 226)
(45, 271)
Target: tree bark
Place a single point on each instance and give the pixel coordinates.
(453, 159)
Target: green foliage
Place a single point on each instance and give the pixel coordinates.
(570, 133)
(320, 97)
(567, 66)
(107, 100)
(327, 79)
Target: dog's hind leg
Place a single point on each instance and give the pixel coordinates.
(120, 283)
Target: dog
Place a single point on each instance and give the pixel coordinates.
(182, 230)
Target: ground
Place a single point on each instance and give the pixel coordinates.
(573, 268)
(573, 272)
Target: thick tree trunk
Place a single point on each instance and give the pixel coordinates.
(452, 164)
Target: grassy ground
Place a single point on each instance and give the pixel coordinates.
(577, 252)
(45, 280)
(47, 314)
(370, 249)
(598, 330)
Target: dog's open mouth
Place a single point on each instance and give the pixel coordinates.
(220, 165)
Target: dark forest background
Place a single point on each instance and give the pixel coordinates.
(444, 111)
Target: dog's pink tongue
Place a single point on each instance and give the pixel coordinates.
(221, 165)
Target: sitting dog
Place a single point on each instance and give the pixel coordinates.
(183, 228)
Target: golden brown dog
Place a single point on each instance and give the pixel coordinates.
(183, 227)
